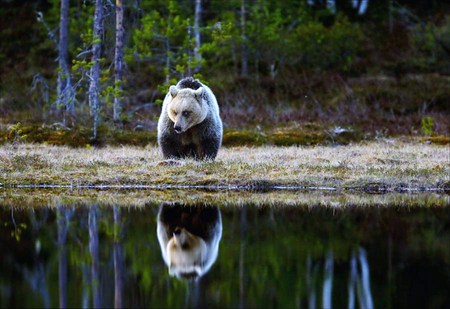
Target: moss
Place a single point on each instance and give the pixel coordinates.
(294, 133)
(75, 137)
(307, 134)
(53, 135)
(242, 138)
(139, 138)
(348, 137)
(438, 140)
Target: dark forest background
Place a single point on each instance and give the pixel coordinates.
(284, 72)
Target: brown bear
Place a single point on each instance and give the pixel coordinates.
(190, 123)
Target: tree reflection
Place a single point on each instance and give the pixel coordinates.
(63, 215)
(242, 231)
(36, 275)
(88, 257)
(93, 251)
(359, 280)
(328, 280)
(118, 259)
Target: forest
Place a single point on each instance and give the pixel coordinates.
(289, 72)
(332, 182)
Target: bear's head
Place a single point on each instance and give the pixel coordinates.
(189, 238)
(187, 108)
(186, 254)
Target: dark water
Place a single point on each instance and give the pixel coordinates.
(259, 257)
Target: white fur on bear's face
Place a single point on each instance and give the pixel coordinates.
(185, 253)
(187, 108)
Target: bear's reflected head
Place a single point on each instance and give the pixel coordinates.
(185, 253)
(187, 108)
(189, 238)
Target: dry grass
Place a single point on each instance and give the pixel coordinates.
(381, 164)
(27, 198)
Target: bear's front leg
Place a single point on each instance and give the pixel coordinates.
(170, 148)
(208, 149)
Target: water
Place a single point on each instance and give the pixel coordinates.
(105, 255)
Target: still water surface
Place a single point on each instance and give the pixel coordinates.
(171, 255)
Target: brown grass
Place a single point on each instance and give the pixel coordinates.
(385, 165)
(230, 198)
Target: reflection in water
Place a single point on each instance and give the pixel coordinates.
(328, 280)
(359, 280)
(189, 238)
(118, 258)
(62, 220)
(37, 276)
(95, 262)
(99, 256)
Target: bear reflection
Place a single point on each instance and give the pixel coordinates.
(189, 238)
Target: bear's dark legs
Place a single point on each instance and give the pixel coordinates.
(208, 149)
(170, 148)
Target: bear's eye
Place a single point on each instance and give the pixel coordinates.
(186, 113)
(174, 113)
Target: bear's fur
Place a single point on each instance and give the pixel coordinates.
(190, 124)
(189, 238)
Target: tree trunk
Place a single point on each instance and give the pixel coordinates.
(197, 19)
(244, 56)
(65, 96)
(118, 61)
(391, 18)
(167, 43)
(94, 87)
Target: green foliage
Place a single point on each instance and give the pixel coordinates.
(427, 125)
(16, 133)
(287, 43)
(334, 47)
(431, 44)
(162, 41)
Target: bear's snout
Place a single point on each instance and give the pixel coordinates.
(177, 128)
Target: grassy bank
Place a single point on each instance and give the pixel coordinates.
(32, 197)
(379, 165)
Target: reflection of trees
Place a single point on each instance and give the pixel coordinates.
(359, 279)
(304, 260)
(63, 215)
(327, 280)
(118, 258)
(242, 230)
(93, 251)
(37, 275)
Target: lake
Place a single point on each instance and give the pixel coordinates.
(91, 252)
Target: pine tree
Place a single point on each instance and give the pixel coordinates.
(65, 93)
(94, 86)
(197, 19)
(118, 61)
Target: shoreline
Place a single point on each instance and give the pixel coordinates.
(369, 189)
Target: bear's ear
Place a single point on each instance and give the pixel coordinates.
(198, 93)
(173, 91)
